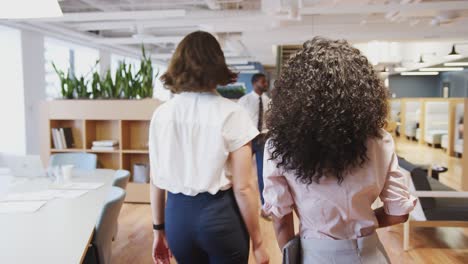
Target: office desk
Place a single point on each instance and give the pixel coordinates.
(60, 231)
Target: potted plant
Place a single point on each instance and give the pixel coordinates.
(125, 85)
(235, 91)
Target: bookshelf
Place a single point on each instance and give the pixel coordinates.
(126, 121)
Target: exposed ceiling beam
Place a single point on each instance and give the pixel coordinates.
(146, 5)
(88, 26)
(191, 19)
(383, 8)
(131, 40)
(72, 36)
(162, 56)
(116, 16)
(100, 6)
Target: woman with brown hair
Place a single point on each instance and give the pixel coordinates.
(328, 157)
(210, 210)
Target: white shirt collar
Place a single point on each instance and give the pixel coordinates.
(256, 94)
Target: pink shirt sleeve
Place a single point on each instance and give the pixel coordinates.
(276, 192)
(395, 195)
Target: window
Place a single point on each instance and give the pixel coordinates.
(66, 57)
(12, 115)
(160, 92)
(117, 59)
(58, 53)
(85, 61)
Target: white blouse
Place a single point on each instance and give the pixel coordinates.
(190, 139)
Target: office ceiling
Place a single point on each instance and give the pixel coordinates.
(251, 28)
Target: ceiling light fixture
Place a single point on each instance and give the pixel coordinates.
(236, 61)
(249, 72)
(432, 69)
(418, 73)
(421, 60)
(456, 64)
(421, 56)
(453, 53)
(243, 67)
(25, 9)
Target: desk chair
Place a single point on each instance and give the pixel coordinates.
(100, 250)
(82, 161)
(438, 206)
(121, 178)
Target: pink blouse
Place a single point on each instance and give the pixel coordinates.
(332, 211)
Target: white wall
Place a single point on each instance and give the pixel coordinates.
(12, 114)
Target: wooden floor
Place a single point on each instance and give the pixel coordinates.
(423, 154)
(429, 245)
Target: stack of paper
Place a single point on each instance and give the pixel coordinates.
(21, 207)
(45, 195)
(77, 186)
(105, 145)
(29, 196)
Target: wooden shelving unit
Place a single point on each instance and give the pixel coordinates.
(126, 121)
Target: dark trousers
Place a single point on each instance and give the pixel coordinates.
(258, 146)
(206, 229)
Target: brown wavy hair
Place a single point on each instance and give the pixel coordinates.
(198, 65)
(326, 104)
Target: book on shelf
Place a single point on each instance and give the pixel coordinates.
(105, 143)
(62, 138)
(69, 137)
(55, 139)
(100, 148)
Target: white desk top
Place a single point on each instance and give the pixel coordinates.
(60, 231)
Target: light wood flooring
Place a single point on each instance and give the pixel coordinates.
(423, 154)
(429, 245)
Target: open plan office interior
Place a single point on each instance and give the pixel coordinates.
(81, 81)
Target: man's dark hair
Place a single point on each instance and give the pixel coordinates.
(257, 77)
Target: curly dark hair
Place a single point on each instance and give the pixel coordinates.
(326, 104)
(198, 65)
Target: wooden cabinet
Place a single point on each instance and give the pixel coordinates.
(126, 121)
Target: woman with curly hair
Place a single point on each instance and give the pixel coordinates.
(328, 157)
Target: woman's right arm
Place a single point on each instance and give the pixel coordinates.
(247, 196)
(397, 200)
(284, 229)
(385, 219)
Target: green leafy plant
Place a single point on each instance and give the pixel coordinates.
(125, 85)
(66, 83)
(146, 75)
(81, 87)
(96, 88)
(231, 91)
(108, 87)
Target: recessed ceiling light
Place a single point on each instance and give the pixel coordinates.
(441, 69)
(418, 73)
(456, 64)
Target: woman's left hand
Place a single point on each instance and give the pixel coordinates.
(161, 252)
